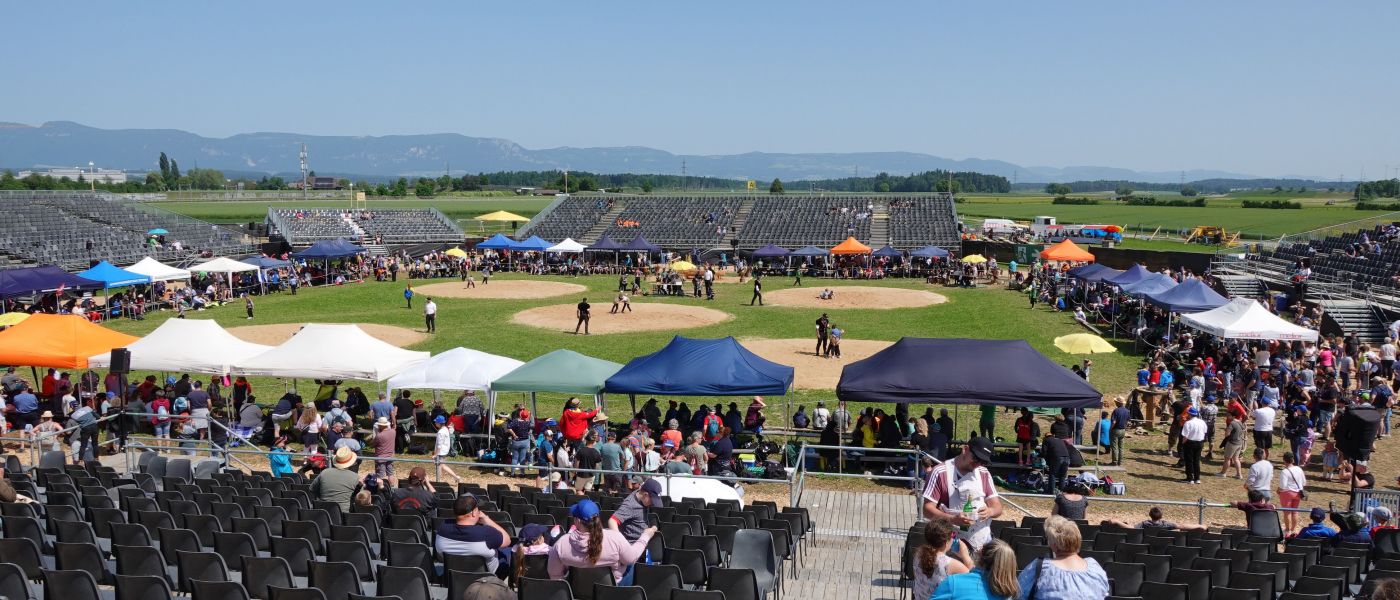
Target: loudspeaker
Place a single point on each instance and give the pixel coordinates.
(1356, 432)
(121, 361)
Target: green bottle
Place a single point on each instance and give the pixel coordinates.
(968, 512)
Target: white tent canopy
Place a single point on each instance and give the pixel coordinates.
(1246, 319)
(186, 346)
(455, 369)
(322, 351)
(158, 271)
(222, 265)
(568, 245)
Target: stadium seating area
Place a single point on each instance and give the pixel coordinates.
(56, 228)
(571, 217)
(1369, 258)
(189, 528)
(676, 222)
(916, 222)
(801, 221)
(303, 227)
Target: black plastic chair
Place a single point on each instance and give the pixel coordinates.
(130, 534)
(25, 527)
(1265, 524)
(545, 589)
(412, 555)
(458, 581)
(82, 557)
(256, 529)
(337, 580)
(141, 561)
(13, 584)
(753, 549)
(297, 552)
(657, 580)
(707, 545)
(1126, 577)
(218, 590)
(469, 563)
(305, 530)
(355, 553)
(1159, 590)
(24, 553)
(1226, 593)
(1264, 582)
(1197, 582)
(697, 595)
(201, 566)
(692, 564)
(71, 585)
(143, 587)
(1158, 565)
(737, 584)
(408, 583)
(584, 578)
(261, 573)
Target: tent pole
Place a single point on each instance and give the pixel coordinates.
(633, 399)
(534, 405)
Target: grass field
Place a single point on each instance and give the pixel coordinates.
(455, 207)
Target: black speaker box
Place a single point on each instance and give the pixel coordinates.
(121, 361)
(1356, 432)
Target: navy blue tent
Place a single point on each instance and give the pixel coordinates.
(1093, 272)
(771, 251)
(1155, 283)
(931, 252)
(964, 371)
(498, 242)
(889, 251)
(41, 279)
(729, 370)
(640, 244)
(1189, 296)
(336, 248)
(810, 251)
(1134, 274)
(605, 243)
(263, 262)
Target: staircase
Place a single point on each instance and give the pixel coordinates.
(375, 249)
(355, 227)
(1241, 286)
(741, 217)
(1355, 315)
(880, 226)
(596, 231)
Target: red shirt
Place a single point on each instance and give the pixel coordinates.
(574, 423)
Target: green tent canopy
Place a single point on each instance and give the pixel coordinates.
(560, 371)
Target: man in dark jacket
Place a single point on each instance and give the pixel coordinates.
(1055, 451)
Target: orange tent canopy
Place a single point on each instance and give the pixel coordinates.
(58, 341)
(1066, 250)
(851, 246)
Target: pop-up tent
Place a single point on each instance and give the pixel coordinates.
(222, 265)
(1246, 319)
(1134, 274)
(158, 271)
(605, 243)
(888, 251)
(930, 252)
(58, 341)
(810, 251)
(497, 242)
(640, 244)
(113, 276)
(186, 346)
(1093, 272)
(1066, 250)
(1155, 283)
(771, 251)
(560, 371)
(532, 244)
(730, 370)
(41, 280)
(264, 263)
(568, 245)
(964, 371)
(1189, 296)
(322, 351)
(455, 369)
(851, 246)
(328, 249)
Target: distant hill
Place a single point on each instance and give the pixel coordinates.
(64, 143)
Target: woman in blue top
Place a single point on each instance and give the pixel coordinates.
(279, 460)
(1105, 430)
(1065, 576)
(993, 579)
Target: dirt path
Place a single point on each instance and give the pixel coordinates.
(274, 335)
(853, 296)
(813, 372)
(506, 289)
(644, 317)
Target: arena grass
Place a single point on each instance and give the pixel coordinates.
(486, 325)
(455, 207)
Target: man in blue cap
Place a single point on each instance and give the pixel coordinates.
(1193, 437)
(446, 440)
(631, 518)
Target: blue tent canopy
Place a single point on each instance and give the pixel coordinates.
(771, 251)
(730, 370)
(889, 251)
(1134, 274)
(964, 371)
(1155, 283)
(112, 276)
(1093, 272)
(931, 252)
(1192, 295)
(41, 279)
(263, 262)
(605, 243)
(810, 251)
(640, 244)
(336, 248)
(498, 242)
(532, 244)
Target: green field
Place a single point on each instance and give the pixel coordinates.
(462, 209)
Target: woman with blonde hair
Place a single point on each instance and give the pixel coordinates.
(1066, 575)
(310, 427)
(993, 579)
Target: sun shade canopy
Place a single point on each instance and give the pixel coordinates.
(1246, 319)
(263, 262)
(532, 244)
(568, 245)
(562, 371)
(158, 271)
(729, 370)
(41, 280)
(771, 251)
(851, 246)
(1192, 295)
(501, 215)
(455, 369)
(1155, 283)
(640, 244)
(222, 265)
(888, 251)
(964, 371)
(1134, 274)
(321, 351)
(810, 251)
(58, 341)
(186, 346)
(336, 248)
(498, 242)
(930, 252)
(113, 276)
(605, 243)
(1066, 250)
(1093, 272)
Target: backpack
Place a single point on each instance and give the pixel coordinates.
(711, 427)
(162, 415)
(85, 419)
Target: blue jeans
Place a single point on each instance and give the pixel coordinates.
(627, 577)
(1058, 473)
(520, 452)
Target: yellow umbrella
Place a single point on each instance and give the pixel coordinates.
(12, 318)
(1084, 343)
(682, 266)
(501, 215)
(456, 252)
(975, 258)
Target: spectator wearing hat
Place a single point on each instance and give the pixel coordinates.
(631, 518)
(589, 544)
(965, 481)
(534, 541)
(442, 449)
(472, 533)
(1352, 528)
(383, 443)
(415, 496)
(675, 462)
(338, 484)
(574, 421)
(1193, 437)
(1317, 529)
(1381, 516)
(46, 433)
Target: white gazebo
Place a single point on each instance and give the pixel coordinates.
(158, 271)
(222, 265)
(455, 369)
(320, 351)
(186, 346)
(568, 245)
(1246, 319)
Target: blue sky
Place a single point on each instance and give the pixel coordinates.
(1267, 88)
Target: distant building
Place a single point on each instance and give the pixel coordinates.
(316, 183)
(99, 175)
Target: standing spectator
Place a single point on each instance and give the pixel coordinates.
(1292, 485)
(987, 421)
(1264, 428)
(573, 424)
(383, 443)
(1193, 436)
(518, 428)
(1261, 474)
(961, 483)
(1066, 575)
(1232, 446)
(430, 315)
(612, 454)
(1027, 431)
(444, 445)
(587, 458)
(933, 563)
(1055, 451)
(1209, 412)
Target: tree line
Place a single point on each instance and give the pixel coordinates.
(1191, 188)
(1385, 188)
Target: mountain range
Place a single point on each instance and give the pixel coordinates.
(64, 143)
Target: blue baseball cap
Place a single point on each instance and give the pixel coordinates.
(439, 419)
(1192, 411)
(584, 510)
(532, 531)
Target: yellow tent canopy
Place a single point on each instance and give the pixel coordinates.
(501, 215)
(1084, 343)
(851, 246)
(58, 341)
(12, 318)
(456, 252)
(974, 258)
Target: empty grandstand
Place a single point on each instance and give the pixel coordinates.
(73, 229)
(305, 226)
(682, 222)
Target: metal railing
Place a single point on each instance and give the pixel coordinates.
(1200, 504)
(1340, 228)
(36, 442)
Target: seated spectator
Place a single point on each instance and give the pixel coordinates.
(1257, 501)
(1066, 575)
(1352, 529)
(1381, 516)
(1072, 503)
(416, 496)
(993, 579)
(1316, 529)
(588, 544)
(1154, 520)
(934, 562)
(472, 533)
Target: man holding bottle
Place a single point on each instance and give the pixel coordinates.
(961, 490)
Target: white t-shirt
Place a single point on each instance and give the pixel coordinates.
(1290, 479)
(430, 308)
(1261, 358)
(444, 441)
(1387, 351)
(819, 417)
(1261, 476)
(1264, 419)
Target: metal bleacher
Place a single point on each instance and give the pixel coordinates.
(305, 226)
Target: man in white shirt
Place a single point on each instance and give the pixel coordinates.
(443, 449)
(1193, 437)
(961, 491)
(430, 315)
(1261, 475)
(1388, 352)
(820, 416)
(1264, 428)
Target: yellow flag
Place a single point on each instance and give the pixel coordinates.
(752, 184)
